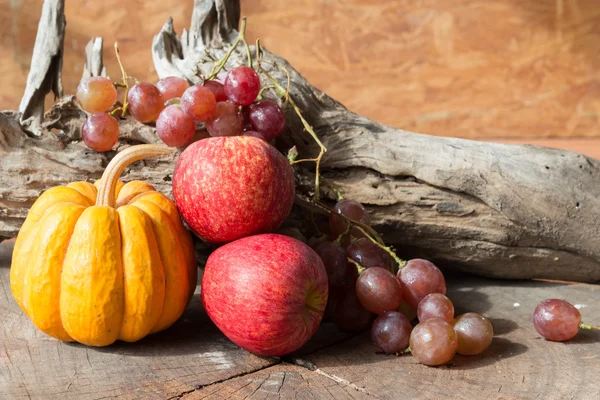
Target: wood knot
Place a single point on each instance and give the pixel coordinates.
(449, 208)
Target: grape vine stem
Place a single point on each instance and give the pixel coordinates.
(590, 327)
(219, 65)
(125, 83)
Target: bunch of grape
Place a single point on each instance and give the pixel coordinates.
(361, 285)
(225, 109)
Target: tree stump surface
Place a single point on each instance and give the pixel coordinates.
(193, 360)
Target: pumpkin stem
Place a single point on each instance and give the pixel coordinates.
(108, 182)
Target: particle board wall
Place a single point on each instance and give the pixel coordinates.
(467, 68)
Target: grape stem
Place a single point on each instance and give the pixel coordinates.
(260, 94)
(286, 93)
(125, 83)
(337, 192)
(590, 327)
(342, 235)
(401, 262)
(405, 351)
(219, 65)
(359, 267)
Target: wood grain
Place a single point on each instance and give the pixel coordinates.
(465, 68)
(519, 364)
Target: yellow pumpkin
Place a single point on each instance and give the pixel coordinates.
(100, 264)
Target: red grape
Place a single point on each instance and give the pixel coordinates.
(368, 254)
(335, 260)
(96, 94)
(100, 132)
(474, 332)
(145, 102)
(433, 342)
(378, 290)
(349, 314)
(256, 135)
(556, 320)
(391, 332)
(217, 89)
(174, 127)
(171, 87)
(199, 103)
(267, 118)
(226, 121)
(351, 209)
(242, 85)
(420, 278)
(435, 305)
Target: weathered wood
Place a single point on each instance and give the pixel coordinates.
(46, 65)
(282, 381)
(425, 66)
(490, 209)
(94, 63)
(519, 364)
(190, 354)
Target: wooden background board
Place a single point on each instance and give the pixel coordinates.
(466, 68)
(193, 361)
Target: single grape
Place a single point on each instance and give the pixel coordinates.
(351, 209)
(433, 342)
(100, 132)
(267, 118)
(174, 127)
(378, 290)
(368, 254)
(420, 278)
(199, 103)
(217, 89)
(256, 135)
(349, 313)
(145, 102)
(96, 94)
(391, 332)
(172, 87)
(335, 260)
(242, 85)
(474, 332)
(556, 320)
(435, 305)
(226, 121)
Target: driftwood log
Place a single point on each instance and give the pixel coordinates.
(507, 211)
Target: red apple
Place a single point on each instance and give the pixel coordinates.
(266, 293)
(230, 187)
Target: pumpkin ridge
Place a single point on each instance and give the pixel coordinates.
(169, 207)
(42, 294)
(143, 274)
(174, 264)
(91, 301)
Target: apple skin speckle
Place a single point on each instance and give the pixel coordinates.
(227, 188)
(267, 293)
